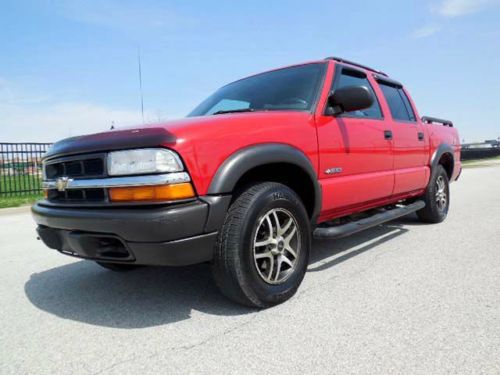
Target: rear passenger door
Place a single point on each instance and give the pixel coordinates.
(355, 153)
(409, 141)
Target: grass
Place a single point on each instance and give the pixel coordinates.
(15, 183)
(24, 200)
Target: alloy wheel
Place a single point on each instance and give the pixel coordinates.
(276, 246)
(441, 194)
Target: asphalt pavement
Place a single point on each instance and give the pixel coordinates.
(401, 298)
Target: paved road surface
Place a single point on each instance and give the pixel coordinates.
(402, 298)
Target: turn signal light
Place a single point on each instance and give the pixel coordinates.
(152, 193)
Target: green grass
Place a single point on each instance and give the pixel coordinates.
(16, 183)
(24, 200)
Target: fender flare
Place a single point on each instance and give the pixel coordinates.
(243, 160)
(443, 148)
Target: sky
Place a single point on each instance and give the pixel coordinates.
(71, 67)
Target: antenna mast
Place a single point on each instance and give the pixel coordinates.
(140, 82)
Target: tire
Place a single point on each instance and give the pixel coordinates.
(437, 197)
(118, 267)
(254, 263)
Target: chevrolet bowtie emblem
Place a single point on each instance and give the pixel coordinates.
(62, 183)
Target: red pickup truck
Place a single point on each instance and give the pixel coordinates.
(325, 149)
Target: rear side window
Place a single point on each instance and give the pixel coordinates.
(398, 102)
(355, 78)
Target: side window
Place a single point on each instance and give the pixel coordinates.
(411, 114)
(355, 78)
(398, 103)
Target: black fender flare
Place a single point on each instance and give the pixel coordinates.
(243, 160)
(443, 148)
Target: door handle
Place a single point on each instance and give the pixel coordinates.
(388, 134)
(420, 136)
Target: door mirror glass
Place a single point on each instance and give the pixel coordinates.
(350, 98)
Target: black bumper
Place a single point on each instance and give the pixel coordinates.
(167, 235)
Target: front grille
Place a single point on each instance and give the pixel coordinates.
(77, 167)
(83, 168)
(78, 196)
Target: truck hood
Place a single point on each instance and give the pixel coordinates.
(164, 134)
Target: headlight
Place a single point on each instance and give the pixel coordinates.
(143, 161)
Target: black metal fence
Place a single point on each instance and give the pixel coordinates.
(479, 153)
(21, 168)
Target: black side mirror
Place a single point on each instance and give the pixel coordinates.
(350, 98)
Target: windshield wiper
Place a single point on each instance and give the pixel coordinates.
(234, 111)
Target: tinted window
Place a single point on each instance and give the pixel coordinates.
(398, 103)
(294, 88)
(358, 79)
(411, 114)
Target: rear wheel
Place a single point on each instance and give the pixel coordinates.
(262, 250)
(437, 197)
(118, 267)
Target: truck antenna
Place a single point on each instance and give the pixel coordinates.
(140, 82)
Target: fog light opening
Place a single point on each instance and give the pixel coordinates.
(109, 247)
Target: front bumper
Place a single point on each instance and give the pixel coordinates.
(171, 235)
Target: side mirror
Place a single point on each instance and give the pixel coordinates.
(350, 98)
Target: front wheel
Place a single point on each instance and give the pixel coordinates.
(262, 250)
(437, 197)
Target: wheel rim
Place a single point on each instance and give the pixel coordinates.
(276, 246)
(441, 195)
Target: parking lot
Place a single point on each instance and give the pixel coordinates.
(402, 298)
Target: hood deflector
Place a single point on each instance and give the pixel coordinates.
(114, 140)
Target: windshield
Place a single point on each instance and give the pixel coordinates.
(294, 88)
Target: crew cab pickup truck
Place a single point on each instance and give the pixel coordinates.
(325, 149)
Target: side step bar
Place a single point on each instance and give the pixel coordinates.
(343, 230)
